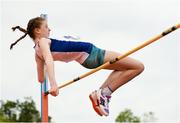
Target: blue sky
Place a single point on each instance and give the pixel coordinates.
(117, 25)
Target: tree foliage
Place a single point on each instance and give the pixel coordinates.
(127, 116)
(16, 111)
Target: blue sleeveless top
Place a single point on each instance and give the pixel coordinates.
(67, 51)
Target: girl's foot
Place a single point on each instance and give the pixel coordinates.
(100, 102)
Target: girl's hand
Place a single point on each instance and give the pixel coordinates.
(54, 91)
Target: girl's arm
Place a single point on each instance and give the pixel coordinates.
(40, 68)
(48, 60)
(45, 49)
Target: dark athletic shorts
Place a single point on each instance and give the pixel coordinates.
(95, 59)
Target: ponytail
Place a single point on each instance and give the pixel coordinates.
(20, 29)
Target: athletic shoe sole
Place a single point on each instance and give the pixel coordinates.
(95, 106)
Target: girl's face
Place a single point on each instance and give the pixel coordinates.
(44, 30)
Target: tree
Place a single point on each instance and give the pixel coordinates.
(17, 111)
(8, 111)
(28, 111)
(127, 116)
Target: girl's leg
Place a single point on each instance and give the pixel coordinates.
(124, 70)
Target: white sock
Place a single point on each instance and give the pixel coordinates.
(107, 91)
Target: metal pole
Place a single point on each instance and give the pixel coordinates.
(44, 101)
